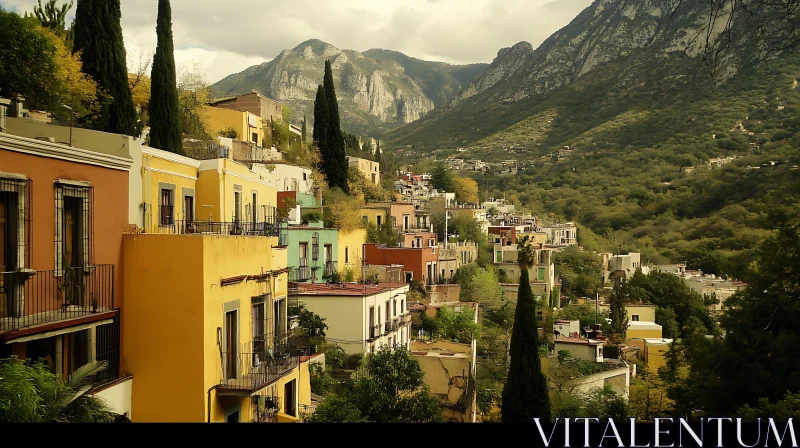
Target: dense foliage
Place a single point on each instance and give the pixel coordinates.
(165, 123)
(389, 388)
(36, 64)
(30, 393)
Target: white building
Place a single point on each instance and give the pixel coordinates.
(621, 267)
(361, 318)
(562, 234)
(286, 177)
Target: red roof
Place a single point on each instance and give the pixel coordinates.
(345, 289)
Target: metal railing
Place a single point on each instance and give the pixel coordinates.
(236, 228)
(266, 408)
(301, 273)
(330, 269)
(29, 298)
(375, 331)
(258, 365)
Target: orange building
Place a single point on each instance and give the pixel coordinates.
(63, 211)
(418, 264)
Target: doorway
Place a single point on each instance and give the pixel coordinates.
(288, 398)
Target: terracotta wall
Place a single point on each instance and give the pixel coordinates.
(110, 208)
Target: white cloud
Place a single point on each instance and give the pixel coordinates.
(225, 37)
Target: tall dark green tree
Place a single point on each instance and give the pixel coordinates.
(334, 158)
(378, 157)
(98, 36)
(525, 394)
(320, 133)
(303, 131)
(619, 316)
(165, 123)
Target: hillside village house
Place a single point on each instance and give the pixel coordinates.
(259, 105)
(400, 215)
(61, 263)
(562, 234)
(247, 364)
(370, 169)
(312, 252)
(361, 318)
(247, 126)
(541, 274)
(419, 264)
(621, 267)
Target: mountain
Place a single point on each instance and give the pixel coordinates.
(675, 152)
(378, 89)
(649, 35)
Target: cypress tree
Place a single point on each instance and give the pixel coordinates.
(320, 133)
(378, 152)
(165, 126)
(303, 131)
(525, 394)
(98, 36)
(336, 155)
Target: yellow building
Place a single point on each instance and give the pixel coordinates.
(179, 192)
(655, 351)
(642, 330)
(371, 170)
(375, 215)
(248, 126)
(205, 323)
(351, 252)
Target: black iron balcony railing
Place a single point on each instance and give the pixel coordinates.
(235, 228)
(258, 365)
(29, 298)
(330, 269)
(266, 408)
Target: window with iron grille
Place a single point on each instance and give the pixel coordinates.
(315, 246)
(167, 207)
(15, 223)
(74, 220)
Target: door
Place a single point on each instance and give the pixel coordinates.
(371, 322)
(405, 222)
(75, 351)
(279, 328)
(230, 345)
(8, 231)
(288, 398)
(259, 345)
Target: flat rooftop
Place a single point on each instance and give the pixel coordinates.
(344, 289)
(577, 341)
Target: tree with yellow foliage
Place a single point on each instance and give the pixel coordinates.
(466, 190)
(36, 64)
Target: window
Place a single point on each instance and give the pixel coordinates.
(230, 342)
(254, 217)
(305, 176)
(73, 226)
(259, 332)
(346, 255)
(188, 208)
(237, 206)
(167, 207)
(635, 318)
(394, 307)
(14, 224)
(402, 306)
(254, 138)
(431, 242)
(380, 218)
(315, 246)
(303, 253)
(541, 274)
(409, 277)
(371, 322)
(405, 217)
(388, 312)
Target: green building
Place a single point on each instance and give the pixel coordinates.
(312, 251)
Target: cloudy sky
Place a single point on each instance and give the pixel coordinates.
(227, 36)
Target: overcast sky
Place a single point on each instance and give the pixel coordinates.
(227, 36)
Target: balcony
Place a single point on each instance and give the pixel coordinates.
(405, 319)
(388, 327)
(266, 408)
(301, 273)
(330, 269)
(31, 298)
(257, 366)
(235, 228)
(374, 332)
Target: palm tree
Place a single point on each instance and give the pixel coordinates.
(29, 392)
